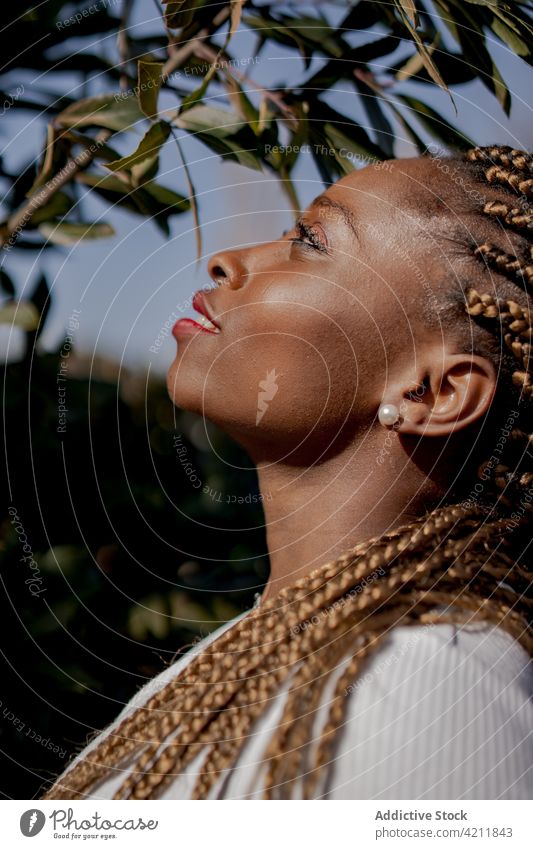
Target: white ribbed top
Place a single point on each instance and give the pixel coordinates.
(439, 713)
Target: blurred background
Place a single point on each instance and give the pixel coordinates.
(128, 562)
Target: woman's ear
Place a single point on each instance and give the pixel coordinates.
(454, 394)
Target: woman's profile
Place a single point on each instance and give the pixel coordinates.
(375, 363)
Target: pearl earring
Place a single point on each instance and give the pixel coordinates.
(388, 414)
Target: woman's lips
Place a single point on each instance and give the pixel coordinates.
(188, 327)
(205, 322)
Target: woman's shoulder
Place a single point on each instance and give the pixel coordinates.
(481, 650)
(457, 662)
(440, 711)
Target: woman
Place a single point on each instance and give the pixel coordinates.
(375, 364)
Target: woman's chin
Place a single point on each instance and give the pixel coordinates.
(188, 390)
(183, 389)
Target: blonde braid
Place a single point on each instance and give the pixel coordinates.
(515, 321)
(179, 754)
(503, 155)
(507, 167)
(297, 651)
(351, 620)
(505, 263)
(513, 216)
(287, 756)
(222, 754)
(119, 745)
(498, 611)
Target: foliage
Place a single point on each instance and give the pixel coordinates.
(259, 124)
(109, 516)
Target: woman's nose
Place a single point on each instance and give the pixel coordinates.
(227, 268)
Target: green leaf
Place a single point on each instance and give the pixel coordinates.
(307, 34)
(209, 119)
(63, 560)
(150, 199)
(410, 131)
(348, 149)
(288, 187)
(338, 143)
(244, 106)
(149, 79)
(318, 34)
(436, 124)
(352, 59)
(470, 35)
(372, 102)
(150, 617)
(180, 13)
(452, 67)
(170, 200)
(105, 182)
(448, 20)
(489, 3)
(282, 158)
(196, 95)
(509, 35)
(22, 314)
(223, 132)
(497, 85)
(58, 205)
(411, 68)
(425, 54)
(114, 112)
(265, 117)
(193, 201)
(40, 298)
(145, 157)
(55, 158)
(101, 149)
(68, 233)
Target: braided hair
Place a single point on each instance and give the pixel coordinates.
(463, 561)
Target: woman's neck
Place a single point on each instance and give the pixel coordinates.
(315, 514)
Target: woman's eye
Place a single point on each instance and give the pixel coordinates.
(308, 236)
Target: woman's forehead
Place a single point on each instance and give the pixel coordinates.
(394, 186)
(382, 178)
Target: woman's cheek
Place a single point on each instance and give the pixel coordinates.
(277, 381)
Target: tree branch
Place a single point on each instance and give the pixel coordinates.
(181, 55)
(16, 223)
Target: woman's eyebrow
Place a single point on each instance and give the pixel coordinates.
(340, 209)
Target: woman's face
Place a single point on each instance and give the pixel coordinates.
(313, 325)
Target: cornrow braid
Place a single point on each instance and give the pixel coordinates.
(513, 216)
(515, 321)
(512, 170)
(459, 563)
(506, 166)
(508, 264)
(503, 155)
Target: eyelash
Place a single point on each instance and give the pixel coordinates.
(308, 237)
